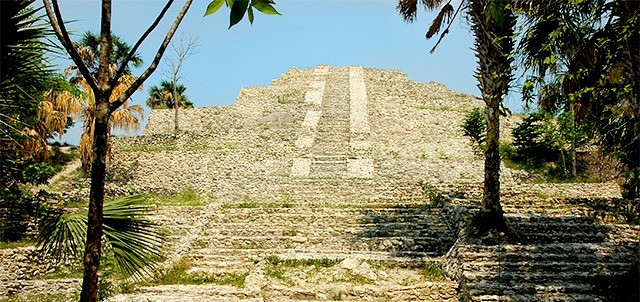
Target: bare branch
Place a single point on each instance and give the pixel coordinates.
(143, 77)
(133, 51)
(181, 52)
(63, 36)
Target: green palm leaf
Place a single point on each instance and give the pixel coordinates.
(131, 237)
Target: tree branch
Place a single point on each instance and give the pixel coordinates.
(61, 32)
(143, 77)
(133, 50)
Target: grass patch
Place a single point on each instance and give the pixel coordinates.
(76, 204)
(322, 262)
(277, 267)
(432, 271)
(177, 274)
(349, 277)
(148, 148)
(40, 298)
(74, 271)
(438, 108)
(200, 243)
(186, 197)
(5, 245)
(286, 101)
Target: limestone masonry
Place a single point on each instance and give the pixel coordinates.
(365, 168)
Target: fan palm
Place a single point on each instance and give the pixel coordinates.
(162, 97)
(590, 51)
(492, 23)
(132, 239)
(127, 117)
(24, 73)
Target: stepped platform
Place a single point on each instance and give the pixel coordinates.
(350, 184)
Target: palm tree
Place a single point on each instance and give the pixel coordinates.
(162, 97)
(24, 73)
(492, 23)
(127, 117)
(102, 85)
(24, 76)
(590, 52)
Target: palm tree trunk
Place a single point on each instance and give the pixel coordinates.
(493, 26)
(574, 165)
(93, 247)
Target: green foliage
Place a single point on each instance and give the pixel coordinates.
(178, 274)
(285, 101)
(543, 144)
(40, 298)
(533, 140)
(322, 262)
(585, 54)
(433, 196)
(432, 271)
(162, 97)
(16, 244)
(129, 235)
(241, 7)
(475, 126)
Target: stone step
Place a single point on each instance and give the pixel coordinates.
(427, 291)
(389, 244)
(371, 230)
(242, 263)
(187, 293)
(332, 158)
(327, 252)
(559, 248)
(66, 286)
(545, 219)
(579, 256)
(527, 267)
(556, 297)
(560, 236)
(341, 217)
(323, 201)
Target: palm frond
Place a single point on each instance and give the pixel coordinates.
(408, 9)
(443, 17)
(135, 242)
(62, 236)
(133, 239)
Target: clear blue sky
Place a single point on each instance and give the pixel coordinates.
(369, 33)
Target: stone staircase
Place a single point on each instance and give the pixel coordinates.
(563, 258)
(312, 199)
(380, 252)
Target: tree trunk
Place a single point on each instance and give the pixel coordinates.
(176, 103)
(574, 164)
(493, 48)
(96, 199)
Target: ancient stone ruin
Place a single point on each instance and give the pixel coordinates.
(351, 183)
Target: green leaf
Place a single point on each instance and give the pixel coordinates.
(238, 9)
(250, 12)
(214, 6)
(135, 243)
(265, 7)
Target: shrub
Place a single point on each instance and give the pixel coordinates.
(474, 126)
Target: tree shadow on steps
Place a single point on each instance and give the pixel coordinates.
(561, 258)
(405, 231)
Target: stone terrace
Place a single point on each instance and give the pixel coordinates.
(344, 164)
